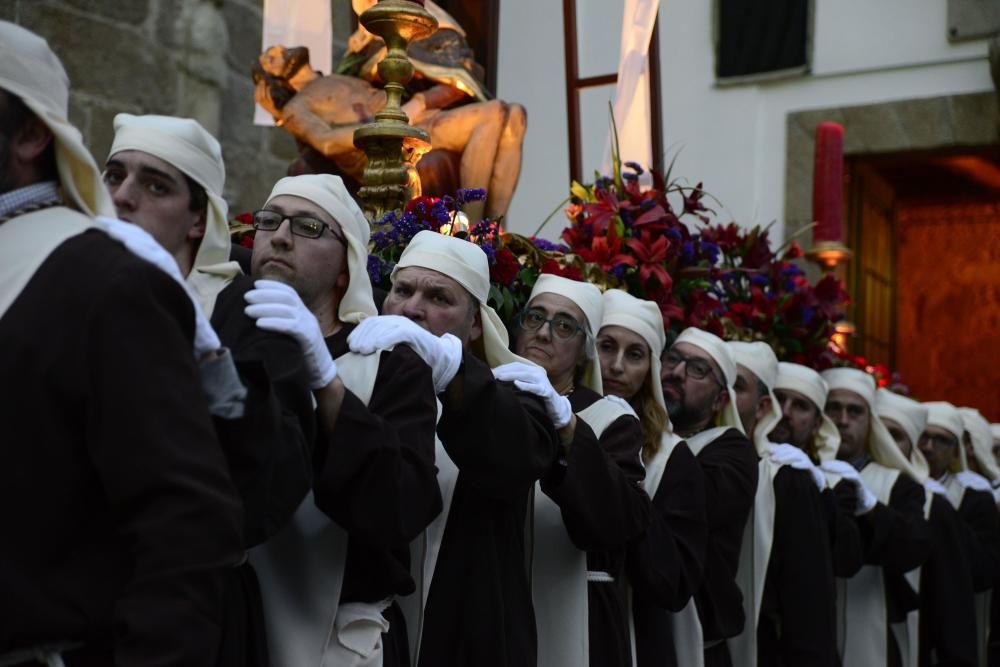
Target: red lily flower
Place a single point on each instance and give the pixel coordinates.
(606, 253)
(654, 218)
(601, 213)
(652, 257)
(576, 238)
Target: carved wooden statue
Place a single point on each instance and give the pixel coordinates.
(322, 112)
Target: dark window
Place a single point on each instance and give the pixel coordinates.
(756, 38)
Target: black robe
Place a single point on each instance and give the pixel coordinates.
(120, 519)
(798, 624)
(375, 476)
(268, 451)
(729, 464)
(270, 447)
(603, 506)
(896, 537)
(478, 610)
(846, 547)
(979, 513)
(665, 565)
(947, 617)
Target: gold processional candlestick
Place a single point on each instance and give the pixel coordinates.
(392, 145)
(832, 257)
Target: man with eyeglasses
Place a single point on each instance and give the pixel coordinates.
(895, 535)
(166, 176)
(697, 379)
(495, 440)
(972, 497)
(331, 578)
(946, 626)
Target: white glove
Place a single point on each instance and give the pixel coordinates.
(278, 307)
(866, 501)
(971, 480)
(442, 353)
(618, 400)
(141, 244)
(934, 487)
(791, 455)
(533, 380)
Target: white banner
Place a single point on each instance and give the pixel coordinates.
(298, 23)
(631, 107)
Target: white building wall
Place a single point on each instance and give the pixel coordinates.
(730, 137)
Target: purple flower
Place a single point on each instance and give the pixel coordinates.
(687, 252)
(440, 214)
(634, 166)
(604, 183)
(482, 228)
(759, 280)
(466, 195)
(712, 250)
(491, 253)
(406, 227)
(788, 275)
(543, 244)
(382, 240)
(618, 271)
(673, 233)
(388, 219)
(790, 271)
(375, 265)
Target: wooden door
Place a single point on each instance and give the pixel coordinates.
(871, 276)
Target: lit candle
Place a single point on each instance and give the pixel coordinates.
(828, 183)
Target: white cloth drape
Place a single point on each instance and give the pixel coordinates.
(632, 107)
(298, 23)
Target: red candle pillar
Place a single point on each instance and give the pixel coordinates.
(828, 184)
(828, 250)
(828, 198)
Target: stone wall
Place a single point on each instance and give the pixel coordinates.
(177, 57)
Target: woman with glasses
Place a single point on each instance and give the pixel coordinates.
(590, 504)
(664, 567)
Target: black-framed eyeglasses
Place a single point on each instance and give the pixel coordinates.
(301, 225)
(694, 368)
(563, 326)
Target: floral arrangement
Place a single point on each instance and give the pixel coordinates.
(722, 278)
(511, 281)
(658, 242)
